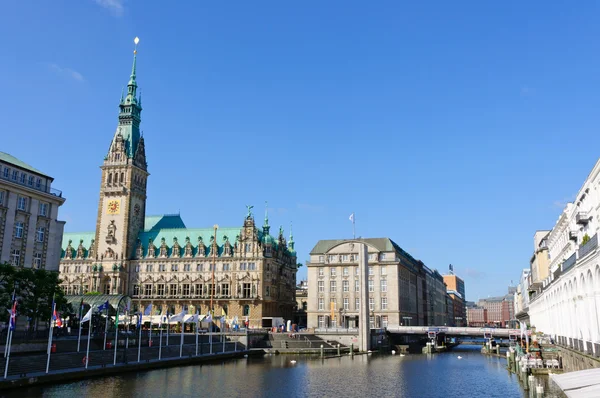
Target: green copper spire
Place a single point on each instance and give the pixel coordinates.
(266, 226)
(122, 92)
(291, 241)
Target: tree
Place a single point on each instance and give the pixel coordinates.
(586, 239)
(35, 291)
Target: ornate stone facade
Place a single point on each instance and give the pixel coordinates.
(156, 259)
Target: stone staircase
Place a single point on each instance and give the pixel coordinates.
(300, 341)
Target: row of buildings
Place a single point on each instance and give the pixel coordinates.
(559, 293)
(245, 271)
(492, 311)
(401, 289)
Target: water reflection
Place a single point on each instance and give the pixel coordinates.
(422, 376)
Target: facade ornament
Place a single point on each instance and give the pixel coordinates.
(91, 250)
(176, 250)
(80, 250)
(110, 235)
(139, 251)
(249, 207)
(189, 249)
(109, 253)
(201, 247)
(151, 249)
(69, 251)
(163, 248)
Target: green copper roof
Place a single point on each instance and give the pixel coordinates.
(166, 221)
(5, 157)
(76, 238)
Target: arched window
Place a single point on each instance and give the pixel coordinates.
(109, 178)
(246, 310)
(122, 177)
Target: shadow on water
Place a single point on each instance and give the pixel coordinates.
(422, 376)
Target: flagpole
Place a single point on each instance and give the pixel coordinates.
(79, 337)
(210, 334)
(105, 328)
(168, 326)
(181, 343)
(87, 352)
(8, 353)
(160, 326)
(197, 319)
(8, 334)
(353, 226)
(50, 335)
(150, 329)
(140, 336)
(116, 335)
(11, 324)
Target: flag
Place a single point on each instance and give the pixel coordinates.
(208, 318)
(148, 310)
(139, 323)
(103, 307)
(223, 312)
(192, 319)
(178, 317)
(351, 218)
(13, 315)
(87, 316)
(56, 316)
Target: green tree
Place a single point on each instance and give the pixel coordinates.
(586, 239)
(34, 290)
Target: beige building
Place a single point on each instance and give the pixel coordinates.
(540, 260)
(396, 285)
(30, 234)
(243, 271)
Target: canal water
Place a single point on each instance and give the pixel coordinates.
(419, 376)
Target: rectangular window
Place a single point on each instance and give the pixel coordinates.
(384, 303)
(383, 270)
(22, 203)
(6, 172)
(37, 261)
(243, 266)
(198, 289)
(356, 304)
(1, 197)
(172, 289)
(148, 289)
(371, 303)
(246, 290)
(18, 230)
(370, 270)
(43, 209)
(384, 285)
(162, 267)
(23, 178)
(356, 286)
(321, 321)
(332, 272)
(251, 266)
(332, 304)
(321, 271)
(38, 183)
(15, 175)
(186, 289)
(174, 267)
(39, 234)
(247, 247)
(136, 290)
(321, 304)
(225, 267)
(346, 303)
(30, 181)
(371, 285)
(384, 321)
(160, 289)
(346, 271)
(332, 286)
(345, 257)
(321, 259)
(148, 267)
(321, 285)
(225, 289)
(200, 267)
(356, 271)
(346, 286)
(187, 267)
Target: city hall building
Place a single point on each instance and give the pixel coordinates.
(244, 271)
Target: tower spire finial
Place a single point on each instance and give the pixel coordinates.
(136, 41)
(291, 234)
(266, 214)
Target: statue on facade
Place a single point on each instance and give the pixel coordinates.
(111, 229)
(249, 207)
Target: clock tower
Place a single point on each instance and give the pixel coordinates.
(122, 204)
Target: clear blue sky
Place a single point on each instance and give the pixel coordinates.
(455, 128)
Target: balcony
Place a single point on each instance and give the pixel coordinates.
(569, 262)
(588, 247)
(582, 217)
(573, 235)
(34, 186)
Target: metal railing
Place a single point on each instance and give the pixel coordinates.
(590, 245)
(569, 262)
(41, 188)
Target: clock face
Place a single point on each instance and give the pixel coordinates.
(136, 210)
(113, 207)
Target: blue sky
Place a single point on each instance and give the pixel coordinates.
(456, 129)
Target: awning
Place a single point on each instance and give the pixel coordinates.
(115, 301)
(581, 384)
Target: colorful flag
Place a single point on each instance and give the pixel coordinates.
(351, 218)
(13, 315)
(139, 324)
(148, 310)
(56, 316)
(208, 318)
(103, 307)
